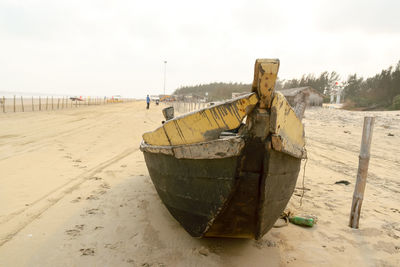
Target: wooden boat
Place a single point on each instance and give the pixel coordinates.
(218, 183)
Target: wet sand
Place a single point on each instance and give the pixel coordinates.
(75, 191)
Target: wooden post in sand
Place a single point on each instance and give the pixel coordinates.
(4, 104)
(40, 103)
(22, 104)
(14, 103)
(362, 173)
(33, 106)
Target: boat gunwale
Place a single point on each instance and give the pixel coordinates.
(226, 147)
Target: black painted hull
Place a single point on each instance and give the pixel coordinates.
(239, 196)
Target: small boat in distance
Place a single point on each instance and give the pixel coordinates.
(219, 177)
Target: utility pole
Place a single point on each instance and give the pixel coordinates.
(165, 74)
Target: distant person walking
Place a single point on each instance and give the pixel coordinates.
(148, 101)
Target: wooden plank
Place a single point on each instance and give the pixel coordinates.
(215, 149)
(194, 191)
(203, 125)
(276, 187)
(265, 74)
(286, 128)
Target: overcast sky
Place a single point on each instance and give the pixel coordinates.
(119, 47)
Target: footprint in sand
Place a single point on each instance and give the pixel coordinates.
(113, 246)
(92, 211)
(395, 210)
(80, 226)
(99, 192)
(76, 231)
(73, 232)
(95, 178)
(92, 197)
(87, 251)
(340, 249)
(105, 186)
(76, 200)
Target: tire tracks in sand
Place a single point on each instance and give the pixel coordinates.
(14, 223)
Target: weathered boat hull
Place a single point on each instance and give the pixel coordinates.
(194, 191)
(238, 196)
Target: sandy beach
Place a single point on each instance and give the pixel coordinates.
(75, 191)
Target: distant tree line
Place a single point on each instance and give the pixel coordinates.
(215, 91)
(381, 91)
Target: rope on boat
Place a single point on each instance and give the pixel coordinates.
(285, 215)
(304, 175)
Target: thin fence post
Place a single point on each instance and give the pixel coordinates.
(40, 103)
(22, 104)
(47, 102)
(4, 104)
(14, 103)
(52, 103)
(362, 172)
(33, 106)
